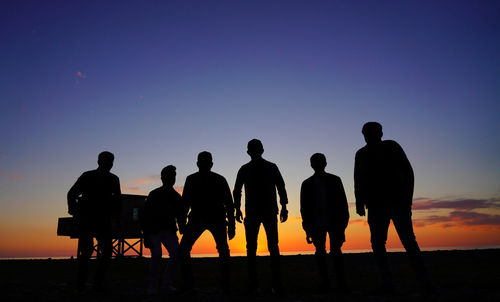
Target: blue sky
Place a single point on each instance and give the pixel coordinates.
(156, 83)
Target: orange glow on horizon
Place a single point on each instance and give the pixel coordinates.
(43, 242)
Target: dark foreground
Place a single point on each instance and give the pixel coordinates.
(457, 275)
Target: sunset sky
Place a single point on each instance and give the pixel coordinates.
(156, 82)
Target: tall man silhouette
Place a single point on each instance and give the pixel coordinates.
(323, 206)
(208, 197)
(261, 178)
(161, 215)
(383, 183)
(93, 200)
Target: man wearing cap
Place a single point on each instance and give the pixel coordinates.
(383, 183)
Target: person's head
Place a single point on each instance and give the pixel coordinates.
(105, 160)
(204, 162)
(318, 162)
(255, 148)
(168, 176)
(372, 132)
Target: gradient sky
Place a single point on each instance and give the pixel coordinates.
(156, 82)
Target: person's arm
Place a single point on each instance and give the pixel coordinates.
(358, 188)
(229, 207)
(180, 215)
(238, 186)
(74, 192)
(280, 186)
(407, 175)
(186, 198)
(342, 200)
(305, 210)
(116, 197)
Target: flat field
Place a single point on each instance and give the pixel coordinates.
(471, 275)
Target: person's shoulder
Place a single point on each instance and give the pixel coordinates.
(113, 176)
(391, 145)
(155, 192)
(245, 166)
(217, 176)
(390, 142)
(269, 164)
(332, 176)
(361, 151)
(308, 180)
(88, 175)
(192, 176)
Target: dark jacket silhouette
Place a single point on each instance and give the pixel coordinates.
(93, 200)
(335, 211)
(162, 211)
(95, 197)
(261, 179)
(383, 176)
(383, 183)
(324, 210)
(208, 197)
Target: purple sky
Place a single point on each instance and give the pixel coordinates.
(156, 82)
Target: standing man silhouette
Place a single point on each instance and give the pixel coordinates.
(208, 197)
(323, 206)
(161, 214)
(261, 178)
(93, 200)
(383, 183)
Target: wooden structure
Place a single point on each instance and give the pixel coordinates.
(127, 235)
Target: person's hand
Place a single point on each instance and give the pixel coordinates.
(71, 211)
(360, 210)
(283, 214)
(239, 215)
(231, 230)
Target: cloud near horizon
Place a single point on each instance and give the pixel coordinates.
(462, 212)
(457, 204)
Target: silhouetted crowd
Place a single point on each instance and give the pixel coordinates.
(383, 183)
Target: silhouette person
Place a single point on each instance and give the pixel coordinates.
(383, 183)
(161, 214)
(323, 206)
(261, 178)
(208, 199)
(93, 200)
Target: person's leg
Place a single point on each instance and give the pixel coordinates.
(192, 232)
(378, 221)
(319, 239)
(85, 249)
(404, 228)
(252, 225)
(271, 227)
(219, 232)
(155, 263)
(105, 242)
(171, 243)
(337, 238)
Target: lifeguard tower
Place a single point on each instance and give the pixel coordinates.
(127, 235)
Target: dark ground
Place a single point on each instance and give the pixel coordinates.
(458, 276)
